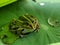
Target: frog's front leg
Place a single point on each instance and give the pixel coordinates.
(19, 32)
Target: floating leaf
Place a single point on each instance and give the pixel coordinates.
(47, 34)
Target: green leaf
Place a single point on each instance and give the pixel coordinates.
(5, 2)
(47, 34)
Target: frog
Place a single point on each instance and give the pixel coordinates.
(24, 25)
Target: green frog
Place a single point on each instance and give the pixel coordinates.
(24, 25)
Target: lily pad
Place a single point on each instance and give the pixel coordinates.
(47, 35)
